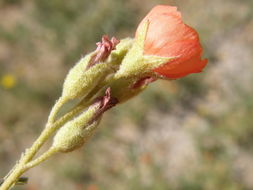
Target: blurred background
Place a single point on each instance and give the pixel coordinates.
(190, 134)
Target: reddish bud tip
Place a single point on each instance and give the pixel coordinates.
(103, 50)
(105, 102)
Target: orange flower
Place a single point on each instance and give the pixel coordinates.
(168, 36)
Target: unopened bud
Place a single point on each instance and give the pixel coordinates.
(95, 67)
(71, 135)
(76, 132)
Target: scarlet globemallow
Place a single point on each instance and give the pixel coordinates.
(168, 36)
(164, 47)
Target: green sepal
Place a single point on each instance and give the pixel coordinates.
(135, 63)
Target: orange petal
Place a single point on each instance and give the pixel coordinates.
(168, 36)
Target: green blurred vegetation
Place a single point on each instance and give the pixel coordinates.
(190, 134)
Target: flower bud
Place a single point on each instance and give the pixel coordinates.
(71, 136)
(95, 67)
(77, 131)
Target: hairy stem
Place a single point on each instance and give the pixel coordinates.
(41, 158)
(20, 168)
(59, 103)
(29, 154)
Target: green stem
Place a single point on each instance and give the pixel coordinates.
(20, 168)
(13, 177)
(29, 154)
(41, 158)
(24, 163)
(55, 110)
